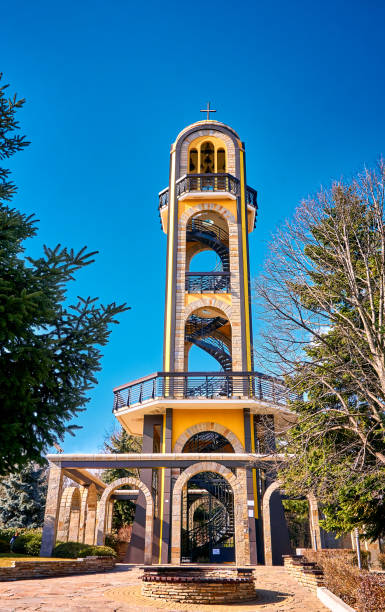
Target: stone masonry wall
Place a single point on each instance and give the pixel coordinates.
(21, 570)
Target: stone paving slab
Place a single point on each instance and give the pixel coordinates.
(119, 591)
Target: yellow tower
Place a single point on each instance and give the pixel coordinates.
(203, 493)
(205, 423)
(208, 206)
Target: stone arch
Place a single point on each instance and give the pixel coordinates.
(242, 547)
(204, 302)
(88, 511)
(69, 515)
(223, 132)
(208, 426)
(195, 248)
(129, 480)
(206, 207)
(313, 515)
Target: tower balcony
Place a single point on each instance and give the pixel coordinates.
(220, 386)
(207, 282)
(206, 183)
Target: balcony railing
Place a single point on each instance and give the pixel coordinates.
(209, 182)
(207, 282)
(202, 385)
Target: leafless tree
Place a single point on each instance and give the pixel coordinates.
(322, 292)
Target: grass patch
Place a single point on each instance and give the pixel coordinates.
(7, 558)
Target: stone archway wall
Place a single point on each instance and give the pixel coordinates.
(313, 515)
(242, 545)
(69, 515)
(88, 510)
(135, 482)
(232, 311)
(208, 426)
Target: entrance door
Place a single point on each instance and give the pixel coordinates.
(208, 520)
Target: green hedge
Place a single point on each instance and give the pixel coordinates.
(4, 546)
(27, 543)
(73, 550)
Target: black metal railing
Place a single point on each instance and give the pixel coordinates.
(207, 282)
(209, 182)
(251, 197)
(202, 385)
(207, 227)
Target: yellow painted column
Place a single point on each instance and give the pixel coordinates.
(161, 514)
(170, 266)
(254, 471)
(245, 261)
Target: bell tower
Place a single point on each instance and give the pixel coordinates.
(201, 483)
(208, 206)
(202, 428)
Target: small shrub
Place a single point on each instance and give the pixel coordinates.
(4, 546)
(28, 543)
(124, 533)
(371, 594)
(112, 540)
(341, 576)
(73, 550)
(101, 551)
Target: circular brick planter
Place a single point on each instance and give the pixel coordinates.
(198, 584)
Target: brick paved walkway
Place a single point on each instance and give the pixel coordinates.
(119, 590)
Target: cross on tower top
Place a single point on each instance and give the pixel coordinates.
(208, 110)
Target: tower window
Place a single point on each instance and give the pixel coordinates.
(221, 160)
(207, 158)
(193, 162)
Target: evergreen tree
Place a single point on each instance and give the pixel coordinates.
(121, 442)
(48, 348)
(22, 497)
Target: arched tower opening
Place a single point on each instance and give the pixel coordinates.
(207, 526)
(207, 232)
(209, 329)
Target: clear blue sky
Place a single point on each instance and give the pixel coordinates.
(110, 84)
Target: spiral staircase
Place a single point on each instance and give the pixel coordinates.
(217, 529)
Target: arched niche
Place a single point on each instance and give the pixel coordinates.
(69, 515)
(242, 547)
(138, 484)
(313, 515)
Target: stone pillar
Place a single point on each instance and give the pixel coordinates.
(55, 485)
(83, 513)
(314, 522)
(166, 531)
(89, 533)
(110, 512)
(242, 541)
(374, 551)
(252, 494)
(73, 531)
(267, 521)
